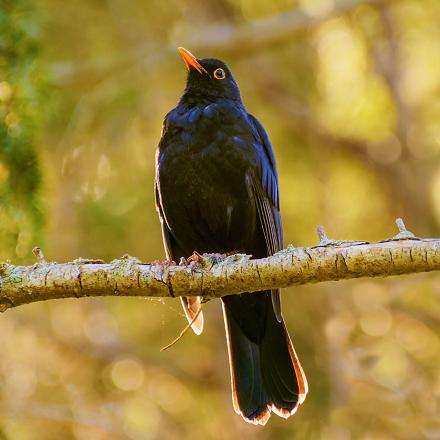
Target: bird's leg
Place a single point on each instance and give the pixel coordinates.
(195, 258)
(205, 261)
(191, 261)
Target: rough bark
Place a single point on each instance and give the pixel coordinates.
(214, 275)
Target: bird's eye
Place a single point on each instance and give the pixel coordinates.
(219, 74)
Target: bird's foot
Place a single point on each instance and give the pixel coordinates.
(165, 263)
(205, 261)
(197, 260)
(191, 261)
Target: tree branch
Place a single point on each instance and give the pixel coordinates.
(215, 275)
(269, 30)
(226, 38)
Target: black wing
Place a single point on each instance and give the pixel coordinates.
(191, 305)
(265, 187)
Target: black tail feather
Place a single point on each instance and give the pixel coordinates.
(249, 395)
(265, 373)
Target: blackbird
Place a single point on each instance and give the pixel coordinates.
(217, 192)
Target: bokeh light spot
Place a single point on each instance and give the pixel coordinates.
(101, 328)
(391, 367)
(5, 91)
(376, 321)
(417, 338)
(316, 7)
(127, 374)
(169, 393)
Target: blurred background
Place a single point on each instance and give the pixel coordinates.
(349, 93)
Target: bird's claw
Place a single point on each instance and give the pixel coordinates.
(192, 261)
(165, 263)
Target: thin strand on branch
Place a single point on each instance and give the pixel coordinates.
(216, 275)
(182, 333)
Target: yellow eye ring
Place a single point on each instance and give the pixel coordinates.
(219, 74)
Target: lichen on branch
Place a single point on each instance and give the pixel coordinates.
(215, 275)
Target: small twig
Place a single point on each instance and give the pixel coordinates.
(324, 241)
(39, 254)
(182, 333)
(322, 234)
(401, 225)
(403, 234)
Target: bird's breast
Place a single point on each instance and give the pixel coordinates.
(207, 142)
(203, 171)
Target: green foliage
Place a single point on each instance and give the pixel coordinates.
(21, 110)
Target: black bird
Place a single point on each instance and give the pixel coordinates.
(217, 191)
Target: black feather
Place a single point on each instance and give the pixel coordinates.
(217, 191)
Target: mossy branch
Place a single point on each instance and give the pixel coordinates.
(215, 275)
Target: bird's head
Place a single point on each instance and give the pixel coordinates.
(208, 78)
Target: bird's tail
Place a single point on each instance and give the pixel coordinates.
(266, 376)
(191, 306)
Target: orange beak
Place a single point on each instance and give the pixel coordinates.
(191, 61)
